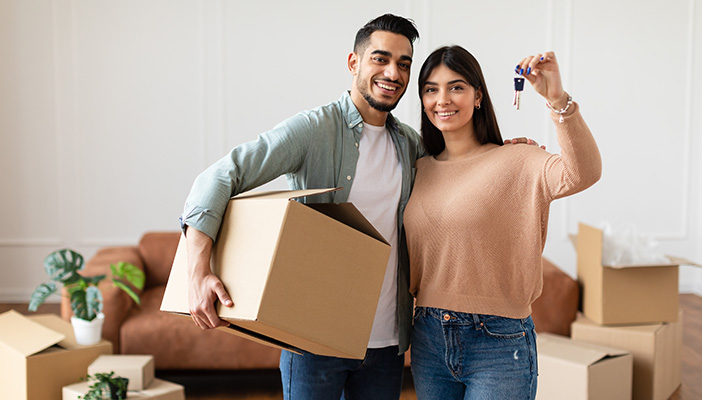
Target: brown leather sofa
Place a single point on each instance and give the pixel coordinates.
(177, 344)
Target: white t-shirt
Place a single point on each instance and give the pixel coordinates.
(375, 191)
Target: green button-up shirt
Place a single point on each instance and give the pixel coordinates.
(313, 149)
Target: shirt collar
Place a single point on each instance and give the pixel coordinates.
(352, 117)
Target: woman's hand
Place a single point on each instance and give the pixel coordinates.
(541, 70)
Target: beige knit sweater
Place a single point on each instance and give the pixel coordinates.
(476, 227)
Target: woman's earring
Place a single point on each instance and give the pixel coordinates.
(477, 107)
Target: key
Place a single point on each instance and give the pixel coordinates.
(518, 88)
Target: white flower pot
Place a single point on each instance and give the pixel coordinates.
(88, 332)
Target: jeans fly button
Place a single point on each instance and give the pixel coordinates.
(447, 317)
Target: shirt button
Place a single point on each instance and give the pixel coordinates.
(356, 144)
(447, 317)
(348, 178)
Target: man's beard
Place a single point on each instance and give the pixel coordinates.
(379, 106)
(374, 103)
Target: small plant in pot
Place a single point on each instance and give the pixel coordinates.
(106, 387)
(62, 267)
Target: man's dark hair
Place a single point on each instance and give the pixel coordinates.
(390, 23)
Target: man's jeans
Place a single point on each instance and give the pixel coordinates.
(311, 377)
(472, 356)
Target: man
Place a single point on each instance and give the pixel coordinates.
(353, 143)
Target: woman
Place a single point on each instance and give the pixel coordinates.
(476, 227)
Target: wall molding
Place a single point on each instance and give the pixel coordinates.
(212, 80)
(687, 111)
(31, 242)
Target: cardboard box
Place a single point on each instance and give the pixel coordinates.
(139, 369)
(40, 355)
(301, 276)
(158, 390)
(574, 370)
(625, 294)
(656, 350)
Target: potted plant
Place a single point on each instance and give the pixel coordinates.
(106, 386)
(62, 267)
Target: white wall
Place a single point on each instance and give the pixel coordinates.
(109, 109)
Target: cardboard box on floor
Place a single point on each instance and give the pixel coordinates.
(576, 370)
(40, 355)
(139, 369)
(301, 276)
(157, 390)
(624, 294)
(656, 350)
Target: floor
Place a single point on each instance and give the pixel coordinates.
(265, 385)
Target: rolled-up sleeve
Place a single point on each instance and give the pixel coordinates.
(252, 164)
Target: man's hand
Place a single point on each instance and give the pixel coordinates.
(205, 288)
(524, 140)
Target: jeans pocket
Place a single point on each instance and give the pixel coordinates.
(419, 312)
(504, 328)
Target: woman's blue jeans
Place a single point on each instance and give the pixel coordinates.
(472, 356)
(311, 377)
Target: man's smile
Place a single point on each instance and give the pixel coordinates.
(386, 85)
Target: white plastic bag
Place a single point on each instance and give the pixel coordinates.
(623, 245)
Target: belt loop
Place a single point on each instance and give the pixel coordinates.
(476, 321)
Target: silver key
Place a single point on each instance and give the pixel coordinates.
(518, 88)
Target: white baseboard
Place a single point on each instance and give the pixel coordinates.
(691, 288)
(21, 296)
(690, 280)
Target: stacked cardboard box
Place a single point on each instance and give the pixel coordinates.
(139, 369)
(301, 276)
(656, 349)
(40, 355)
(632, 307)
(576, 370)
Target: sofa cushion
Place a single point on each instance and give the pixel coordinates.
(177, 343)
(158, 251)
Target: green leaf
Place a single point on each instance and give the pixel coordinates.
(94, 280)
(61, 265)
(80, 286)
(129, 272)
(86, 304)
(127, 290)
(41, 293)
(71, 278)
(79, 305)
(93, 298)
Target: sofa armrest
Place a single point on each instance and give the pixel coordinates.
(557, 306)
(116, 303)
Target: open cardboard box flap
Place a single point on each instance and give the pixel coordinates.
(578, 352)
(26, 336)
(346, 213)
